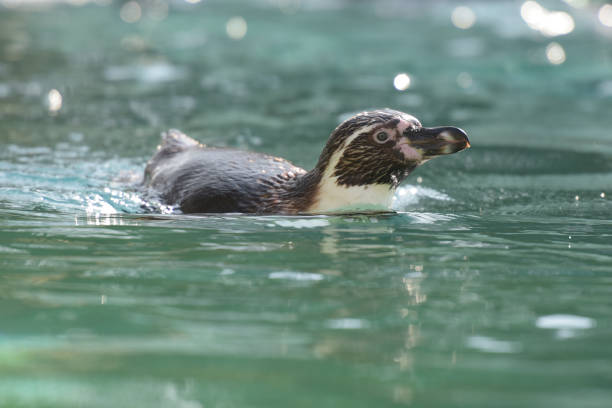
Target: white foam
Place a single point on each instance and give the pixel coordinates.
(347, 324)
(491, 345)
(96, 206)
(565, 325)
(304, 223)
(6, 249)
(152, 73)
(297, 276)
(563, 321)
(410, 195)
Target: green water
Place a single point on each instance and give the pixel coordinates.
(492, 286)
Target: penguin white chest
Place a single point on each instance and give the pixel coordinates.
(334, 198)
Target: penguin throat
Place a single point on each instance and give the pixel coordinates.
(332, 197)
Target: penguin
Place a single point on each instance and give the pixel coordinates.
(364, 161)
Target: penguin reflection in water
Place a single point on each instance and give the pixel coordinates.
(365, 159)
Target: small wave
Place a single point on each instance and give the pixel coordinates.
(111, 201)
(428, 218)
(96, 205)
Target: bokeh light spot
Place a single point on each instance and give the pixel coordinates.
(549, 23)
(605, 15)
(532, 13)
(577, 3)
(464, 80)
(401, 82)
(236, 28)
(463, 17)
(558, 23)
(555, 53)
(54, 100)
(130, 12)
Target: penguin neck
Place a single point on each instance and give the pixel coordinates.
(320, 193)
(331, 197)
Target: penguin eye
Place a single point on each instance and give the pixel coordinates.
(382, 137)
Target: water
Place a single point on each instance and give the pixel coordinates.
(490, 287)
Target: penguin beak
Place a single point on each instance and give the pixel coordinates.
(432, 142)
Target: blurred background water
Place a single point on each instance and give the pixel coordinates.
(490, 287)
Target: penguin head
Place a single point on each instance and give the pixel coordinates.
(382, 147)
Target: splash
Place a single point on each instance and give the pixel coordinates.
(410, 195)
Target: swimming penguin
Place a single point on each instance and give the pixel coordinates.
(365, 159)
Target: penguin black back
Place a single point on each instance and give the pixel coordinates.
(205, 179)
